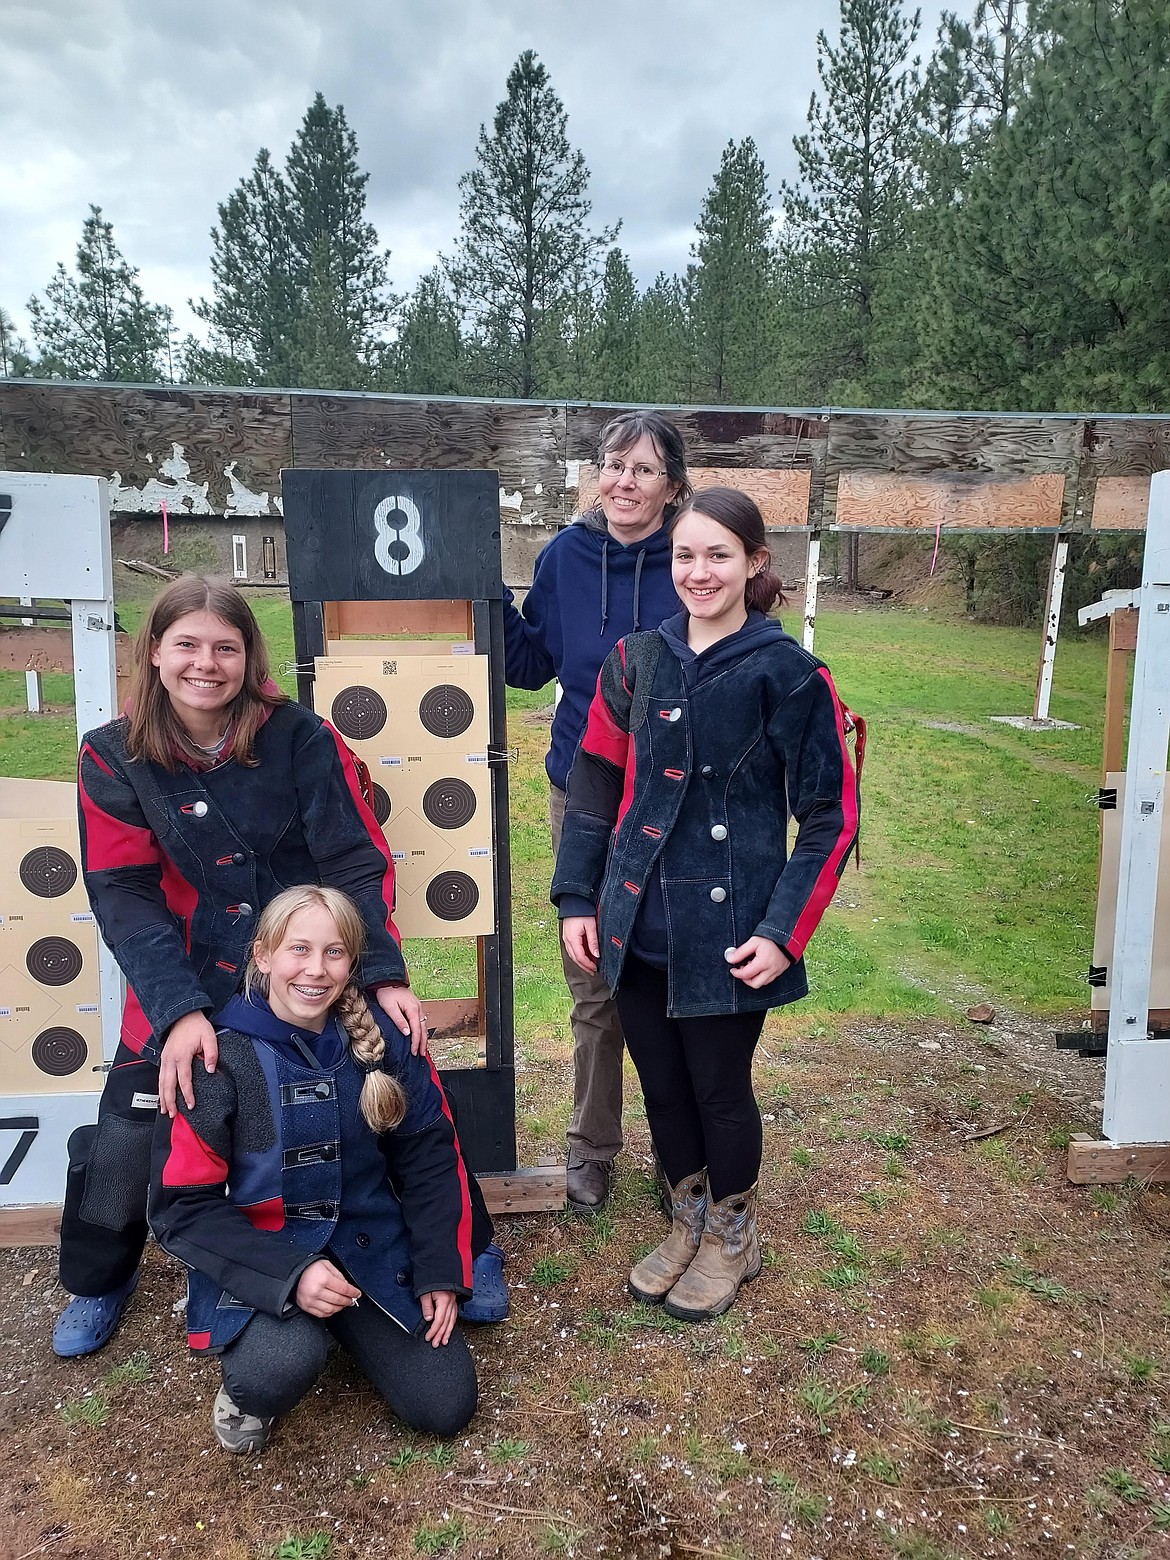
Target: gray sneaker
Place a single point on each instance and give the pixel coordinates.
(236, 1431)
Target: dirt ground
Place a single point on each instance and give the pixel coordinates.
(951, 1352)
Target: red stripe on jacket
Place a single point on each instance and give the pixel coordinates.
(109, 843)
(372, 828)
(463, 1233)
(830, 873)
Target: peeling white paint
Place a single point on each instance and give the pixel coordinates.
(241, 500)
(539, 488)
(511, 500)
(572, 473)
(173, 487)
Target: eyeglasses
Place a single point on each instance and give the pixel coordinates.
(642, 475)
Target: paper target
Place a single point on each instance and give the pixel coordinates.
(48, 872)
(446, 711)
(358, 713)
(452, 896)
(59, 1052)
(54, 961)
(449, 803)
(382, 805)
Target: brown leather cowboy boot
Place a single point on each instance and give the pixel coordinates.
(656, 1273)
(728, 1256)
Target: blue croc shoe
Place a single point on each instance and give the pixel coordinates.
(87, 1323)
(489, 1293)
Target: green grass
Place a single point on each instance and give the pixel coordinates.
(979, 848)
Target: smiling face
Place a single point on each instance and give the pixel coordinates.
(200, 663)
(307, 970)
(710, 568)
(633, 506)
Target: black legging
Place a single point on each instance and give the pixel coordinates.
(696, 1076)
(273, 1364)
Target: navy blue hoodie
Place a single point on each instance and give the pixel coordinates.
(588, 590)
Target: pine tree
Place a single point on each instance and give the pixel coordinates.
(339, 272)
(732, 281)
(429, 352)
(614, 374)
(1054, 282)
(253, 312)
(846, 218)
(98, 324)
(15, 362)
(665, 356)
(524, 247)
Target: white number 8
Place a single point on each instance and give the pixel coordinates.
(399, 548)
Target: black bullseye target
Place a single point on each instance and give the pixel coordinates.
(48, 872)
(446, 711)
(449, 804)
(452, 896)
(59, 1052)
(383, 806)
(358, 713)
(54, 961)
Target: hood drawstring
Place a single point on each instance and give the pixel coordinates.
(637, 583)
(605, 584)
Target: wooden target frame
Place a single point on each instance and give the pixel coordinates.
(412, 553)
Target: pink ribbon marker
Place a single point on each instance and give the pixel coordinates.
(933, 561)
(167, 534)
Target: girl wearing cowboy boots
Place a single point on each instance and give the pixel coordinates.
(315, 1190)
(674, 879)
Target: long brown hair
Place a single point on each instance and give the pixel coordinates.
(155, 732)
(383, 1099)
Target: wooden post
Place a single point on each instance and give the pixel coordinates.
(1122, 644)
(32, 680)
(1055, 594)
(811, 572)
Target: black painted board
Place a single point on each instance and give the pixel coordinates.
(488, 621)
(392, 535)
(484, 1107)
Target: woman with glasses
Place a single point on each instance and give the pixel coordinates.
(604, 576)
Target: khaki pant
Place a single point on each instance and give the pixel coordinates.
(595, 1131)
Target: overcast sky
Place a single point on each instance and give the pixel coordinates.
(155, 109)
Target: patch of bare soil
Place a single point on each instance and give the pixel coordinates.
(950, 1352)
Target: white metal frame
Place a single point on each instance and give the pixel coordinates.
(1137, 1076)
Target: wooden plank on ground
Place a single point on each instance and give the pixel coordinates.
(782, 495)
(959, 501)
(51, 650)
(30, 1226)
(541, 1190)
(1098, 1162)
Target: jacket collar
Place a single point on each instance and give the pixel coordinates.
(253, 1017)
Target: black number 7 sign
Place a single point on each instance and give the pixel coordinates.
(28, 1127)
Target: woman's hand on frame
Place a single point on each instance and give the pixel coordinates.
(188, 1037)
(579, 935)
(757, 962)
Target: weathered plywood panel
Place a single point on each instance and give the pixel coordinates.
(717, 437)
(1121, 503)
(922, 444)
(781, 495)
(199, 451)
(523, 441)
(964, 502)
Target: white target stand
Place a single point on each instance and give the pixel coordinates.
(54, 546)
(1137, 1077)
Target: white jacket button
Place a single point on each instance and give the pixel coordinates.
(244, 909)
(199, 809)
(675, 714)
(719, 832)
(718, 895)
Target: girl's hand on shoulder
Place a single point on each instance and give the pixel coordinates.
(403, 1009)
(322, 1290)
(188, 1037)
(440, 1308)
(757, 962)
(579, 935)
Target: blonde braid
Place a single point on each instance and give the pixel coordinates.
(383, 1099)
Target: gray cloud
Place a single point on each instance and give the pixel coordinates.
(154, 110)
